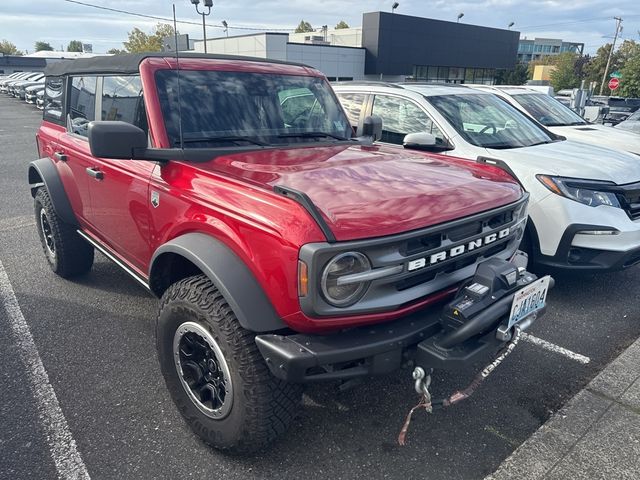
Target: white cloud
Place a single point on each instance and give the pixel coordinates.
(58, 21)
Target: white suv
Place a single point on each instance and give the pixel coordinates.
(561, 120)
(585, 200)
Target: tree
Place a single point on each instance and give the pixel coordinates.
(564, 75)
(630, 82)
(39, 46)
(75, 46)
(518, 76)
(342, 24)
(140, 41)
(594, 69)
(116, 51)
(304, 27)
(8, 48)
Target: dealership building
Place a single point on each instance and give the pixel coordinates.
(388, 46)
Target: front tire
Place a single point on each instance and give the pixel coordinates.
(66, 252)
(215, 373)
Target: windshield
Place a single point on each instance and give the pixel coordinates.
(487, 121)
(547, 110)
(221, 109)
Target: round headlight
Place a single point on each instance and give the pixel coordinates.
(341, 265)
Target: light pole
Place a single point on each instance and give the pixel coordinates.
(394, 6)
(226, 27)
(613, 46)
(208, 4)
(460, 15)
(511, 25)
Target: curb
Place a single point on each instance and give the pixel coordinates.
(595, 435)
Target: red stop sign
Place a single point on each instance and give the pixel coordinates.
(614, 83)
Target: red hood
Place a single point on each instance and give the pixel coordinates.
(367, 192)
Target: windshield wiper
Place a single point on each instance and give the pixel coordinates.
(223, 138)
(311, 135)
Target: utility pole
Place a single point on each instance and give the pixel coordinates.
(613, 47)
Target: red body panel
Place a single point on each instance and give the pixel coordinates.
(362, 192)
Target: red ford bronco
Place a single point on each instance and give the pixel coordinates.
(283, 250)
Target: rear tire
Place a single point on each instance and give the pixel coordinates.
(67, 253)
(216, 376)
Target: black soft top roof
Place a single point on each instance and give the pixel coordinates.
(128, 64)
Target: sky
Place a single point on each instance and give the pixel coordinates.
(59, 21)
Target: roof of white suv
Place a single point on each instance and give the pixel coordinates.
(508, 89)
(426, 89)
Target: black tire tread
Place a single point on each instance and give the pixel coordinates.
(271, 404)
(74, 256)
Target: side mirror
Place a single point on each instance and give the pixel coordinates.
(419, 141)
(372, 127)
(114, 139)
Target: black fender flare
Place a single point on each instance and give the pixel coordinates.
(229, 274)
(43, 172)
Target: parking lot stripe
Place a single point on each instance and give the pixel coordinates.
(552, 347)
(62, 446)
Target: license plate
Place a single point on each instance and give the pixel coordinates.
(528, 300)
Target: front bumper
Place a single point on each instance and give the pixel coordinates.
(557, 224)
(423, 338)
(593, 253)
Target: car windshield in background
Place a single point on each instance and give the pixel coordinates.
(221, 109)
(548, 111)
(487, 121)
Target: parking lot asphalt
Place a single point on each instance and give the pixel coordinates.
(94, 337)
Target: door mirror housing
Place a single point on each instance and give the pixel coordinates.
(424, 141)
(115, 139)
(372, 127)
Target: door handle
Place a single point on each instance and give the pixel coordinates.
(60, 156)
(95, 173)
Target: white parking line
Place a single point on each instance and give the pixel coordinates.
(552, 347)
(62, 446)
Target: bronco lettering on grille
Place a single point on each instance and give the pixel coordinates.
(457, 250)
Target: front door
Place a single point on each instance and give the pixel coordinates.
(120, 199)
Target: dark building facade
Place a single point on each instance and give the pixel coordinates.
(435, 50)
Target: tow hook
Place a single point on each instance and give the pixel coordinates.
(422, 382)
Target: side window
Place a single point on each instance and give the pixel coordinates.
(82, 104)
(301, 108)
(122, 100)
(400, 117)
(54, 100)
(352, 104)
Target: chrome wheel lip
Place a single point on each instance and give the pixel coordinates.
(193, 327)
(47, 234)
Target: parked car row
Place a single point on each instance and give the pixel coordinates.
(27, 86)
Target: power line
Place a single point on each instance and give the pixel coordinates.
(169, 20)
(572, 22)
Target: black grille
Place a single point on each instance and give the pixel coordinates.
(630, 198)
(458, 234)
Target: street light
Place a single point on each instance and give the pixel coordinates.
(226, 27)
(511, 25)
(208, 4)
(460, 15)
(394, 6)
